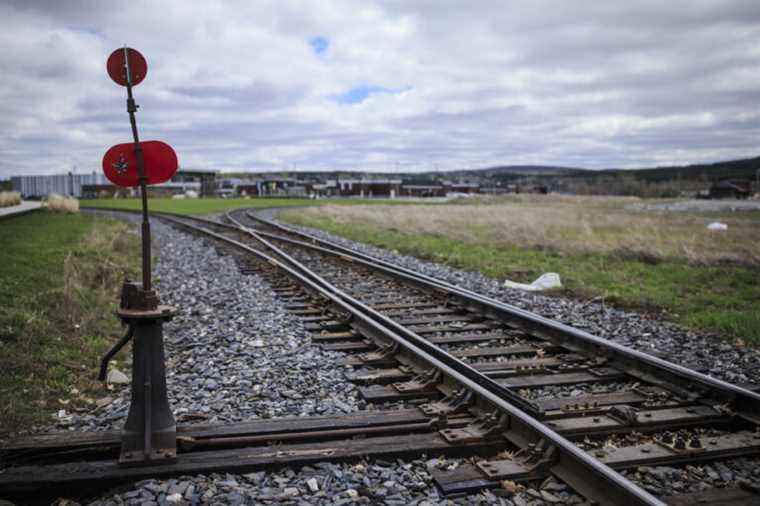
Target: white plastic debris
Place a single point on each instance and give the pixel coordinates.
(716, 225)
(63, 417)
(173, 499)
(544, 282)
(116, 377)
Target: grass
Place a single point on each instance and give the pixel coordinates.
(59, 281)
(654, 262)
(217, 205)
(192, 206)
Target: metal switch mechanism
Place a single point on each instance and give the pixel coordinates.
(149, 435)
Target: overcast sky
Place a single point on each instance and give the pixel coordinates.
(407, 85)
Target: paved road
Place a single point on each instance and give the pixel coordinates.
(25, 206)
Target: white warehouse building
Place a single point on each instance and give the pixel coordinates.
(62, 184)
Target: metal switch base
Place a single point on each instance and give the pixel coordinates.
(150, 433)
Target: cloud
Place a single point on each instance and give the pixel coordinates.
(379, 85)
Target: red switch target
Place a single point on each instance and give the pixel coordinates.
(138, 67)
(120, 163)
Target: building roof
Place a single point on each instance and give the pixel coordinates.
(422, 187)
(366, 181)
(191, 172)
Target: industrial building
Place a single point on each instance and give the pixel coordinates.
(206, 184)
(361, 187)
(469, 188)
(423, 190)
(63, 184)
(96, 185)
(205, 178)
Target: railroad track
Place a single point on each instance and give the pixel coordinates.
(455, 373)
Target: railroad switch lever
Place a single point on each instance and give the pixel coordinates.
(113, 351)
(150, 434)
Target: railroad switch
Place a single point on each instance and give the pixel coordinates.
(149, 435)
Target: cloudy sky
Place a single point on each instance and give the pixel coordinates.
(397, 85)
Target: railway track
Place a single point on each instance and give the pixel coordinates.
(451, 372)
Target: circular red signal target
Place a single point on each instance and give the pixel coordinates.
(138, 67)
(120, 163)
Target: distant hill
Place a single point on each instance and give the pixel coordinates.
(520, 170)
(730, 169)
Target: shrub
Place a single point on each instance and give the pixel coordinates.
(8, 199)
(62, 204)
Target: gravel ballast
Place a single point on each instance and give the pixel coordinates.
(233, 352)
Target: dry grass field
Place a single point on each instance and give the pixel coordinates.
(662, 261)
(566, 224)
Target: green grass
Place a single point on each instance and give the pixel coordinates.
(192, 206)
(725, 299)
(59, 278)
(217, 205)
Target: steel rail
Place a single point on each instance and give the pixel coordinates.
(746, 399)
(586, 474)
